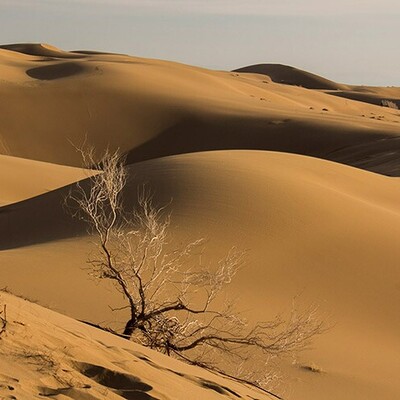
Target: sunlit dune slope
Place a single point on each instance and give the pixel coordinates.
(313, 228)
(66, 359)
(151, 108)
(21, 179)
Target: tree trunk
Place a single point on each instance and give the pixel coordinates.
(129, 328)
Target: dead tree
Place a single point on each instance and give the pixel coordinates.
(174, 301)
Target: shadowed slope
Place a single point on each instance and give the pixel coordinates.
(369, 94)
(21, 178)
(176, 176)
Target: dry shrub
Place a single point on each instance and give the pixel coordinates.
(170, 295)
(389, 104)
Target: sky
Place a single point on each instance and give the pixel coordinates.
(349, 41)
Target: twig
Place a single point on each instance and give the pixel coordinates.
(3, 319)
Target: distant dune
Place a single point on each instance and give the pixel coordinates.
(316, 229)
(288, 75)
(150, 108)
(369, 94)
(39, 49)
(292, 76)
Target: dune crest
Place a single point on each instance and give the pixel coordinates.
(39, 49)
(288, 75)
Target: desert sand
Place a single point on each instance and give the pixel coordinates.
(151, 108)
(67, 359)
(21, 179)
(283, 185)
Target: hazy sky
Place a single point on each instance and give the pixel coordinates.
(351, 41)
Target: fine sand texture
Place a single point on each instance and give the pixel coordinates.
(47, 355)
(299, 171)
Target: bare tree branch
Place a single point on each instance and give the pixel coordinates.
(171, 296)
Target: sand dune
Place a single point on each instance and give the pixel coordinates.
(92, 364)
(39, 49)
(312, 227)
(370, 94)
(21, 179)
(150, 108)
(292, 76)
(288, 75)
(319, 231)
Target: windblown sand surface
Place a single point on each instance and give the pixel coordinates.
(66, 359)
(320, 231)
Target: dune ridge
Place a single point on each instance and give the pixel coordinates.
(288, 75)
(39, 49)
(51, 219)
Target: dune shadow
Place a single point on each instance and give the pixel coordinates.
(125, 385)
(241, 133)
(48, 216)
(369, 98)
(55, 71)
(69, 392)
(224, 390)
